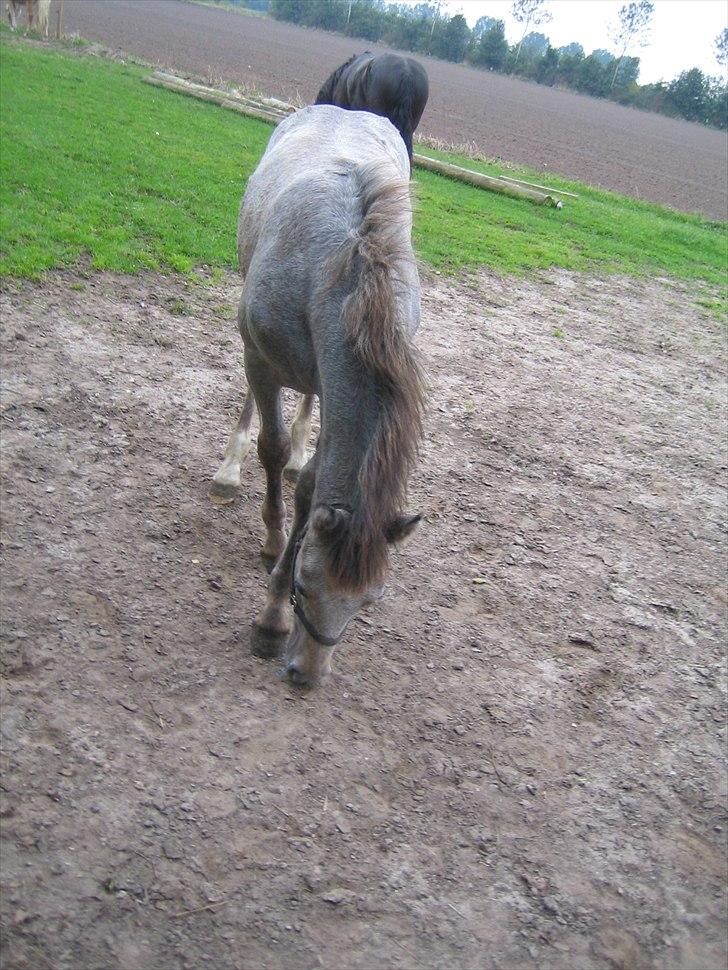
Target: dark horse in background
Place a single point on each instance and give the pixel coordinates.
(390, 85)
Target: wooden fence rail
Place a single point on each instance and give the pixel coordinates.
(274, 111)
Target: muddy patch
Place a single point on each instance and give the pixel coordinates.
(518, 760)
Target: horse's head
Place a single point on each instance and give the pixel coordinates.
(323, 609)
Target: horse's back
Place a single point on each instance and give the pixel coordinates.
(323, 169)
(305, 184)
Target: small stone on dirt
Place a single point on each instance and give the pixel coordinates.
(337, 896)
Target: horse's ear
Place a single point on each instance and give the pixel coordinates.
(402, 528)
(329, 519)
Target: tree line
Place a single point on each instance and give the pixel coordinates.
(422, 29)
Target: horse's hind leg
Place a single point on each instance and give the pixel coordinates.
(274, 450)
(226, 482)
(300, 431)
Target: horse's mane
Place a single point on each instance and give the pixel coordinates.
(357, 547)
(327, 89)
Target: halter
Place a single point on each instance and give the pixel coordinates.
(298, 608)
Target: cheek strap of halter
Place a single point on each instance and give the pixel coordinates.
(298, 608)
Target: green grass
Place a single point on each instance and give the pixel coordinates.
(600, 229)
(95, 164)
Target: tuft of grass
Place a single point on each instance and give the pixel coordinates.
(97, 165)
(223, 310)
(179, 308)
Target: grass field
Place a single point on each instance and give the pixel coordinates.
(96, 164)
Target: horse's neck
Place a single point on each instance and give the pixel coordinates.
(350, 408)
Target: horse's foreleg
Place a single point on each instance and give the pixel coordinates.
(300, 431)
(226, 482)
(271, 630)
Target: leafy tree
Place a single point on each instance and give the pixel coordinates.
(367, 19)
(628, 72)
(716, 113)
(593, 76)
(451, 41)
(631, 28)
(689, 93)
(605, 58)
(570, 58)
(548, 66)
(426, 11)
(492, 50)
(535, 44)
(407, 32)
(291, 10)
(650, 97)
(529, 12)
(721, 47)
(482, 24)
(326, 15)
(572, 50)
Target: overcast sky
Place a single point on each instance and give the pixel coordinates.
(682, 35)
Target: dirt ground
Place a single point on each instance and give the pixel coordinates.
(665, 160)
(518, 760)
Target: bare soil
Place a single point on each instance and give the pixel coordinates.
(518, 761)
(649, 156)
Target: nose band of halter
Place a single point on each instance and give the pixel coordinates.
(298, 608)
(311, 629)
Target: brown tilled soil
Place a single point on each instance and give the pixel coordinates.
(673, 162)
(518, 759)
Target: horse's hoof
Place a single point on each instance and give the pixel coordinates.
(291, 474)
(223, 493)
(298, 678)
(267, 643)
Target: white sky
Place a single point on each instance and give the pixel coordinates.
(682, 35)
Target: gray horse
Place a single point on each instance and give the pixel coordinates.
(328, 308)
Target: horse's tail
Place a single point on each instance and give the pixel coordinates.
(403, 112)
(410, 102)
(370, 263)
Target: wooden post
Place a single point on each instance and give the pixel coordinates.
(490, 182)
(59, 22)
